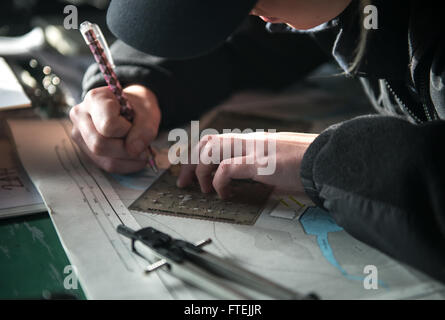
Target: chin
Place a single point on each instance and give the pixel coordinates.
(303, 26)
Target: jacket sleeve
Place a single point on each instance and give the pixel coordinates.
(383, 180)
(251, 59)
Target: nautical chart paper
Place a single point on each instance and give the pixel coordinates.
(309, 253)
(85, 211)
(304, 251)
(298, 246)
(293, 243)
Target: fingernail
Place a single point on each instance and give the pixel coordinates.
(137, 146)
(143, 156)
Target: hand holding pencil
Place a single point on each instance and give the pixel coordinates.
(115, 126)
(98, 122)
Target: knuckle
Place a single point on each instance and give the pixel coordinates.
(107, 127)
(110, 105)
(204, 140)
(198, 170)
(109, 165)
(208, 144)
(210, 138)
(202, 171)
(98, 146)
(224, 166)
(205, 151)
(74, 112)
(75, 134)
(93, 93)
(216, 185)
(152, 133)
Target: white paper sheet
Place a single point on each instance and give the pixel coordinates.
(86, 211)
(17, 194)
(12, 95)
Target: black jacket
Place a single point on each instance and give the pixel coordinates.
(382, 177)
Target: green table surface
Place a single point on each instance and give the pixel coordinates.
(32, 260)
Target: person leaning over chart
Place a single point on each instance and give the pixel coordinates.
(382, 177)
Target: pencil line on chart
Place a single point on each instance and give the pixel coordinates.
(127, 248)
(99, 203)
(91, 175)
(81, 189)
(172, 293)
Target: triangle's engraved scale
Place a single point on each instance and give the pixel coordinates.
(164, 197)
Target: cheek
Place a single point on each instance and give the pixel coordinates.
(300, 14)
(268, 8)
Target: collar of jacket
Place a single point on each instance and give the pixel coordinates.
(386, 52)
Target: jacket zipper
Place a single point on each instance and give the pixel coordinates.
(423, 98)
(403, 105)
(425, 107)
(422, 74)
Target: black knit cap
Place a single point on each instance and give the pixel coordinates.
(176, 28)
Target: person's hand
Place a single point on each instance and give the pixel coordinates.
(278, 165)
(112, 142)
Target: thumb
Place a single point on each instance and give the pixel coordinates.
(147, 117)
(142, 133)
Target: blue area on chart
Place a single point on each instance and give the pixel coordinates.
(137, 181)
(319, 223)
